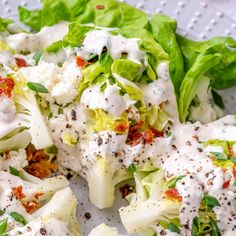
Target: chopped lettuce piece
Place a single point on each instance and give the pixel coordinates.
(155, 54)
(204, 62)
(52, 12)
(163, 29)
(102, 121)
(111, 14)
(28, 107)
(43, 205)
(128, 69)
(19, 140)
(148, 206)
(62, 206)
(102, 176)
(4, 22)
(223, 75)
(76, 34)
(157, 117)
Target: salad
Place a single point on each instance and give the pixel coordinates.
(96, 88)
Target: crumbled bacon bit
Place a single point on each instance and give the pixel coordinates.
(37, 195)
(126, 190)
(134, 138)
(100, 6)
(173, 194)
(18, 192)
(41, 169)
(121, 127)
(39, 163)
(6, 155)
(231, 151)
(157, 133)
(148, 136)
(21, 62)
(6, 86)
(136, 127)
(31, 206)
(81, 62)
(135, 135)
(226, 184)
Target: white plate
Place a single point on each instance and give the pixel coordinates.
(196, 19)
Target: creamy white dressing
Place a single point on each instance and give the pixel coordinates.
(6, 58)
(52, 226)
(73, 121)
(204, 112)
(110, 100)
(18, 159)
(41, 40)
(15, 123)
(154, 93)
(8, 202)
(7, 109)
(166, 85)
(96, 40)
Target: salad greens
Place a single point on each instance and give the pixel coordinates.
(113, 98)
(109, 14)
(150, 194)
(51, 199)
(188, 60)
(164, 32)
(4, 22)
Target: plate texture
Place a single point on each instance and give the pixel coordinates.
(196, 19)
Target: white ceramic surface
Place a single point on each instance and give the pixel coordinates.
(196, 19)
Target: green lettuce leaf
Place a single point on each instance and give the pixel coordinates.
(74, 38)
(127, 69)
(135, 93)
(95, 73)
(223, 76)
(52, 12)
(202, 225)
(157, 118)
(191, 49)
(226, 145)
(204, 62)
(102, 121)
(163, 29)
(55, 47)
(155, 53)
(110, 13)
(30, 18)
(4, 22)
(76, 34)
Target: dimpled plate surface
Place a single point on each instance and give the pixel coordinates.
(196, 19)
